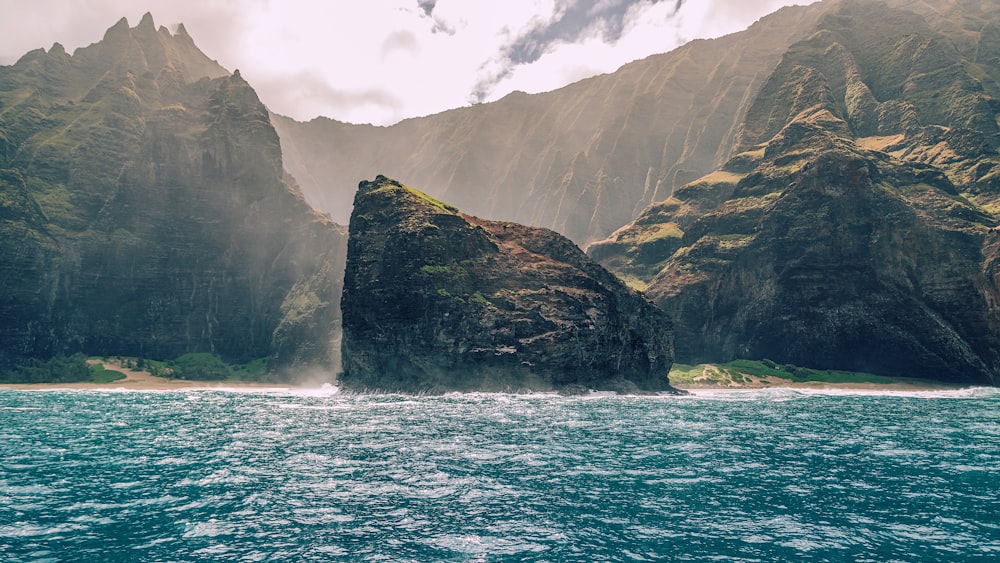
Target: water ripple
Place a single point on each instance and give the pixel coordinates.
(291, 476)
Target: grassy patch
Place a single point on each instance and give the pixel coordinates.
(390, 186)
(479, 299)
(685, 374)
(256, 370)
(720, 177)
(197, 366)
(200, 366)
(658, 232)
(633, 281)
(878, 143)
(734, 241)
(757, 372)
(431, 269)
(435, 202)
(101, 374)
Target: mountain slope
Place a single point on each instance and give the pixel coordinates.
(145, 211)
(855, 229)
(582, 160)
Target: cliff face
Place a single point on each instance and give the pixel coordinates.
(146, 212)
(436, 300)
(582, 160)
(854, 230)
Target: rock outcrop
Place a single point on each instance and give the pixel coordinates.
(853, 229)
(145, 211)
(436, 300)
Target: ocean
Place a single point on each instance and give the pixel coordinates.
(280, 475)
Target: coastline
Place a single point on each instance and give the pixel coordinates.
(144, 381)
(899, 387)
(753, 375)
(136, 380)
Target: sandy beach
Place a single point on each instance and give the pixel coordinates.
(144, 381)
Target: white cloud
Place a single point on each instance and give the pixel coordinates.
(380, 61)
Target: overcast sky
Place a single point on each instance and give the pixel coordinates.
(379, 61)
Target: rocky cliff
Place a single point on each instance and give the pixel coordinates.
(854, 228)
(145, 211)
(437, 300)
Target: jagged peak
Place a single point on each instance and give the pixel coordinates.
(146, 22)
(117, 30)
(57, 49)
(31, 55)
(237, 79)
(151, 49)
(380, 181)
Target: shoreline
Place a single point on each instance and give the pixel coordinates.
(900, 386)
(848, 388)
(144, 381)
(141, 381)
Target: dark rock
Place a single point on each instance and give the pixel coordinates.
(436, 300)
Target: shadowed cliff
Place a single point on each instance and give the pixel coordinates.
(436, 300)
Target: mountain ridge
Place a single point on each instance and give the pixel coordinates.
(573, 160)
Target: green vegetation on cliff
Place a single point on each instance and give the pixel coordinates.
(144, 212)
(853, 228)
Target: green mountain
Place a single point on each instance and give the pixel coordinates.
(437, 300)
(144, 211)
(854, 226)
(582, 160)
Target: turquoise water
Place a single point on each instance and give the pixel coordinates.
(318, 476)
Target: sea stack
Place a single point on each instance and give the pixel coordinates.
(436, 300)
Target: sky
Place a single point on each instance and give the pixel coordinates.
(381, 61)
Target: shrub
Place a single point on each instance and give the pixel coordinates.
(256, 370)
(60, 369)
(200, 366)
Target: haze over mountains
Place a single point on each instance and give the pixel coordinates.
(582, 160)
(817, 189)
(145, 212)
